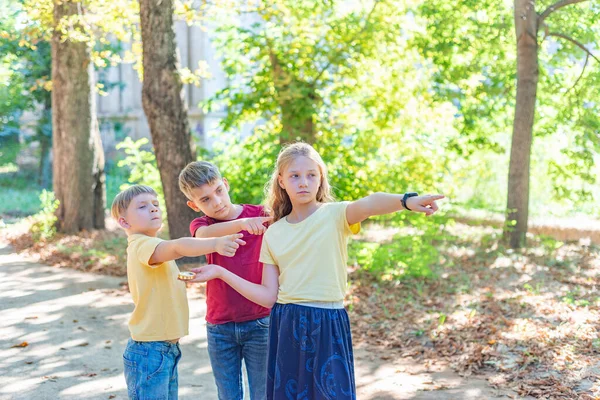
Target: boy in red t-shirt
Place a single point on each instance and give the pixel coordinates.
(237, 329)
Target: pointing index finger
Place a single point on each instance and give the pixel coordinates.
(435, 196)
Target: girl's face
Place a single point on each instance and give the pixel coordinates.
(301, 180)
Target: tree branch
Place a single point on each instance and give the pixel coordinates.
(556, 6)
(356, 36)
(546, 30)
(587, 57)
(575, 42)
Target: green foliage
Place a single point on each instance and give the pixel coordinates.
(115, 178)
(405, 256)
(44, 225)
(478, 76)
(412, 253)
(141, 165)
(9, 150)
(348, 74)
(19, 202)
(20, 195)
(247, 163)
(24, 72)
(298, 56)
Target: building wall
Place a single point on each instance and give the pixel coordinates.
(120, 111)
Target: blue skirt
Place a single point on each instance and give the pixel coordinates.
(310, 354)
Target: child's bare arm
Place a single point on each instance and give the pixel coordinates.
(253, 225)
(385, 203)
(192, 247)
(264, 294)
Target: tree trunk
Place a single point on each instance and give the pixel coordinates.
(162, 98)
(527, 79)
(297, 102)
(296, 124)
(78, 157)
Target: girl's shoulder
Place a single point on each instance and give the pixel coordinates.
(280, 224)
(335, 206)
(275, 230)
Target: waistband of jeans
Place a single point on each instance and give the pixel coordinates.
(332, 305)
(160, 345)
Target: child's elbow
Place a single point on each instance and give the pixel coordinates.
(270, 302)
(270, 299)
(201, 233)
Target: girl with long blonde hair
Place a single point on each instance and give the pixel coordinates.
(304, 256)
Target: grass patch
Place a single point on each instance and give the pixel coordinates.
(20, 194)
(8, 152)
(19, 202)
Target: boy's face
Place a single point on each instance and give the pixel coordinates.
(213, 200)
(301, 180)
(143, 215)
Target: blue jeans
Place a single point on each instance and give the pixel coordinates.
(228, 344)
(151, 370)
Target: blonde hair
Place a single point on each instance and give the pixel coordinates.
(196, 174)
(277, 200)
(123, 199)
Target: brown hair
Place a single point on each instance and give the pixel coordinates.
(277, 199)
(196, 174)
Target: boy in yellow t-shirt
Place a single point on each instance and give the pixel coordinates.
(161, 313)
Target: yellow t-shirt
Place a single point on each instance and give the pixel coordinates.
(311, 255)
(161, 308)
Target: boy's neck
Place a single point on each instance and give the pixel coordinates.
(302, 211)
(236, 211)
(131, 232)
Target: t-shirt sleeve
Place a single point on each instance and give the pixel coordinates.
(266, 256)
(146, 248)
(342, 221)
(198, 223)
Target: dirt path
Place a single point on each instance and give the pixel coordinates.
(75, 328)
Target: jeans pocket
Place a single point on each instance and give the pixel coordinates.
(264, 322)
(129, 364)
(156, 363)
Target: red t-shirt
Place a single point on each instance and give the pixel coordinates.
(223, 303)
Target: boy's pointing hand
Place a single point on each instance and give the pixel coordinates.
(256, 225)
(227, 245)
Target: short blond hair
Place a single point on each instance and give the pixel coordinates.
(196, 174)
(123, 199)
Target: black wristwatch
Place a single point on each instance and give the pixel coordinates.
(405, 197)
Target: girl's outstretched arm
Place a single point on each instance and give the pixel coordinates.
(264, 294)
(385, 203)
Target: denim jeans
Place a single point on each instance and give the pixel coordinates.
(151, 370)
(228, 344)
